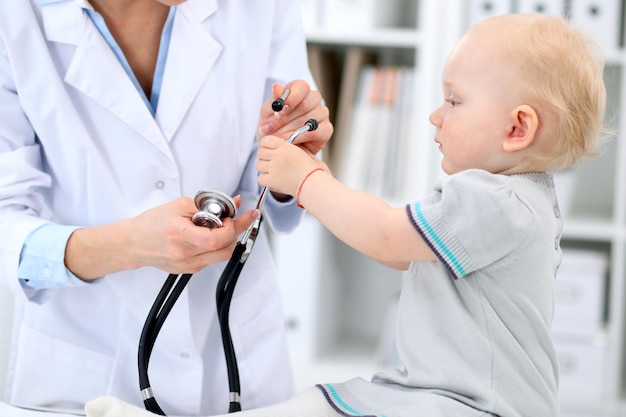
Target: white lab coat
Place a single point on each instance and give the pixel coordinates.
(79, 147)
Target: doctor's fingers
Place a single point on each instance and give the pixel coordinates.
(201, 246)
(315, 140)
(208, 240)
(309, 106)
(219, 244)
(288, 97)
(296, 112)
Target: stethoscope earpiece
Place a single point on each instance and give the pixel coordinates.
(214, 206)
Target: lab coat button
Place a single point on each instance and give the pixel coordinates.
(184, 355)
(47, 272)
(159, 185)
(557, 212)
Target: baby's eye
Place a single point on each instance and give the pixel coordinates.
(451, 102)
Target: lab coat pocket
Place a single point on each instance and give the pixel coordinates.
(260, 345)
(44, 366)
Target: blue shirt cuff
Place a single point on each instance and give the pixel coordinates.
(42, 261)
(283, 216)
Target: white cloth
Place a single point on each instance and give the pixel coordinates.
(308, 403)
(114, 407)
(7, 410)
(79, 147)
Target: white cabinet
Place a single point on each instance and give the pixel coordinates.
(353, 294)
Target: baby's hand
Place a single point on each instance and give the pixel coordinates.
(282, 165)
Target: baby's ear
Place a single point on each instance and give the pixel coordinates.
(522, 128)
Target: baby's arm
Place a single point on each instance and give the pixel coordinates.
(365, 222)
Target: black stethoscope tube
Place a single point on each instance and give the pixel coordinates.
(172, 289)
(165, 300)
(163, 304)
(223, 297)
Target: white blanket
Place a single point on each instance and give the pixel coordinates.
(309, 403)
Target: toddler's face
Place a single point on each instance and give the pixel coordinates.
(479, 96)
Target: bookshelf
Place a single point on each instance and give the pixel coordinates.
(337, 323)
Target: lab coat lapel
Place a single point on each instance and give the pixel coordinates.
(186, 72)
(96, 71)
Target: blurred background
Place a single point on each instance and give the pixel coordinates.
(378, 64)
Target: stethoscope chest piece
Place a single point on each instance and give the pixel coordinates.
(214, 207)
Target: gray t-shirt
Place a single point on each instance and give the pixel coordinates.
(473, 329)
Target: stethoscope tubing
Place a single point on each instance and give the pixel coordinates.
(163, 304)
(173, 288)
(223, 298)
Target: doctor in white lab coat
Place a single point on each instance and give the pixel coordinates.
(109, 124)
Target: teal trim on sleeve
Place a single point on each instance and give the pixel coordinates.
(340, 403)
(436, 241)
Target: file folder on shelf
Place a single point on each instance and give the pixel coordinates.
(482, 9)
(549, 7)
(599, 19)
(361, 14)
(311, 13)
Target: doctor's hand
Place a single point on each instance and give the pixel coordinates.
(163, 237)
(301, 104)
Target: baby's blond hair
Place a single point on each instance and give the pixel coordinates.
(563, 69)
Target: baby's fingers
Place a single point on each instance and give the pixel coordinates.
(271, 142)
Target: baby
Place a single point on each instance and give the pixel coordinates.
(523, 96)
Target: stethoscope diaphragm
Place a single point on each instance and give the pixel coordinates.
(214, 206)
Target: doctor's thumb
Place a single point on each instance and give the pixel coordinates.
(242, 221)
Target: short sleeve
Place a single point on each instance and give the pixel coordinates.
(472, 219)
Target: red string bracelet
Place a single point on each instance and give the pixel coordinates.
(302, 183)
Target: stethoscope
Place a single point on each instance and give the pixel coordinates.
(214, 206)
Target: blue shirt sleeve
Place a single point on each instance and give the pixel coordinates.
(42, 261)
(287, 212)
